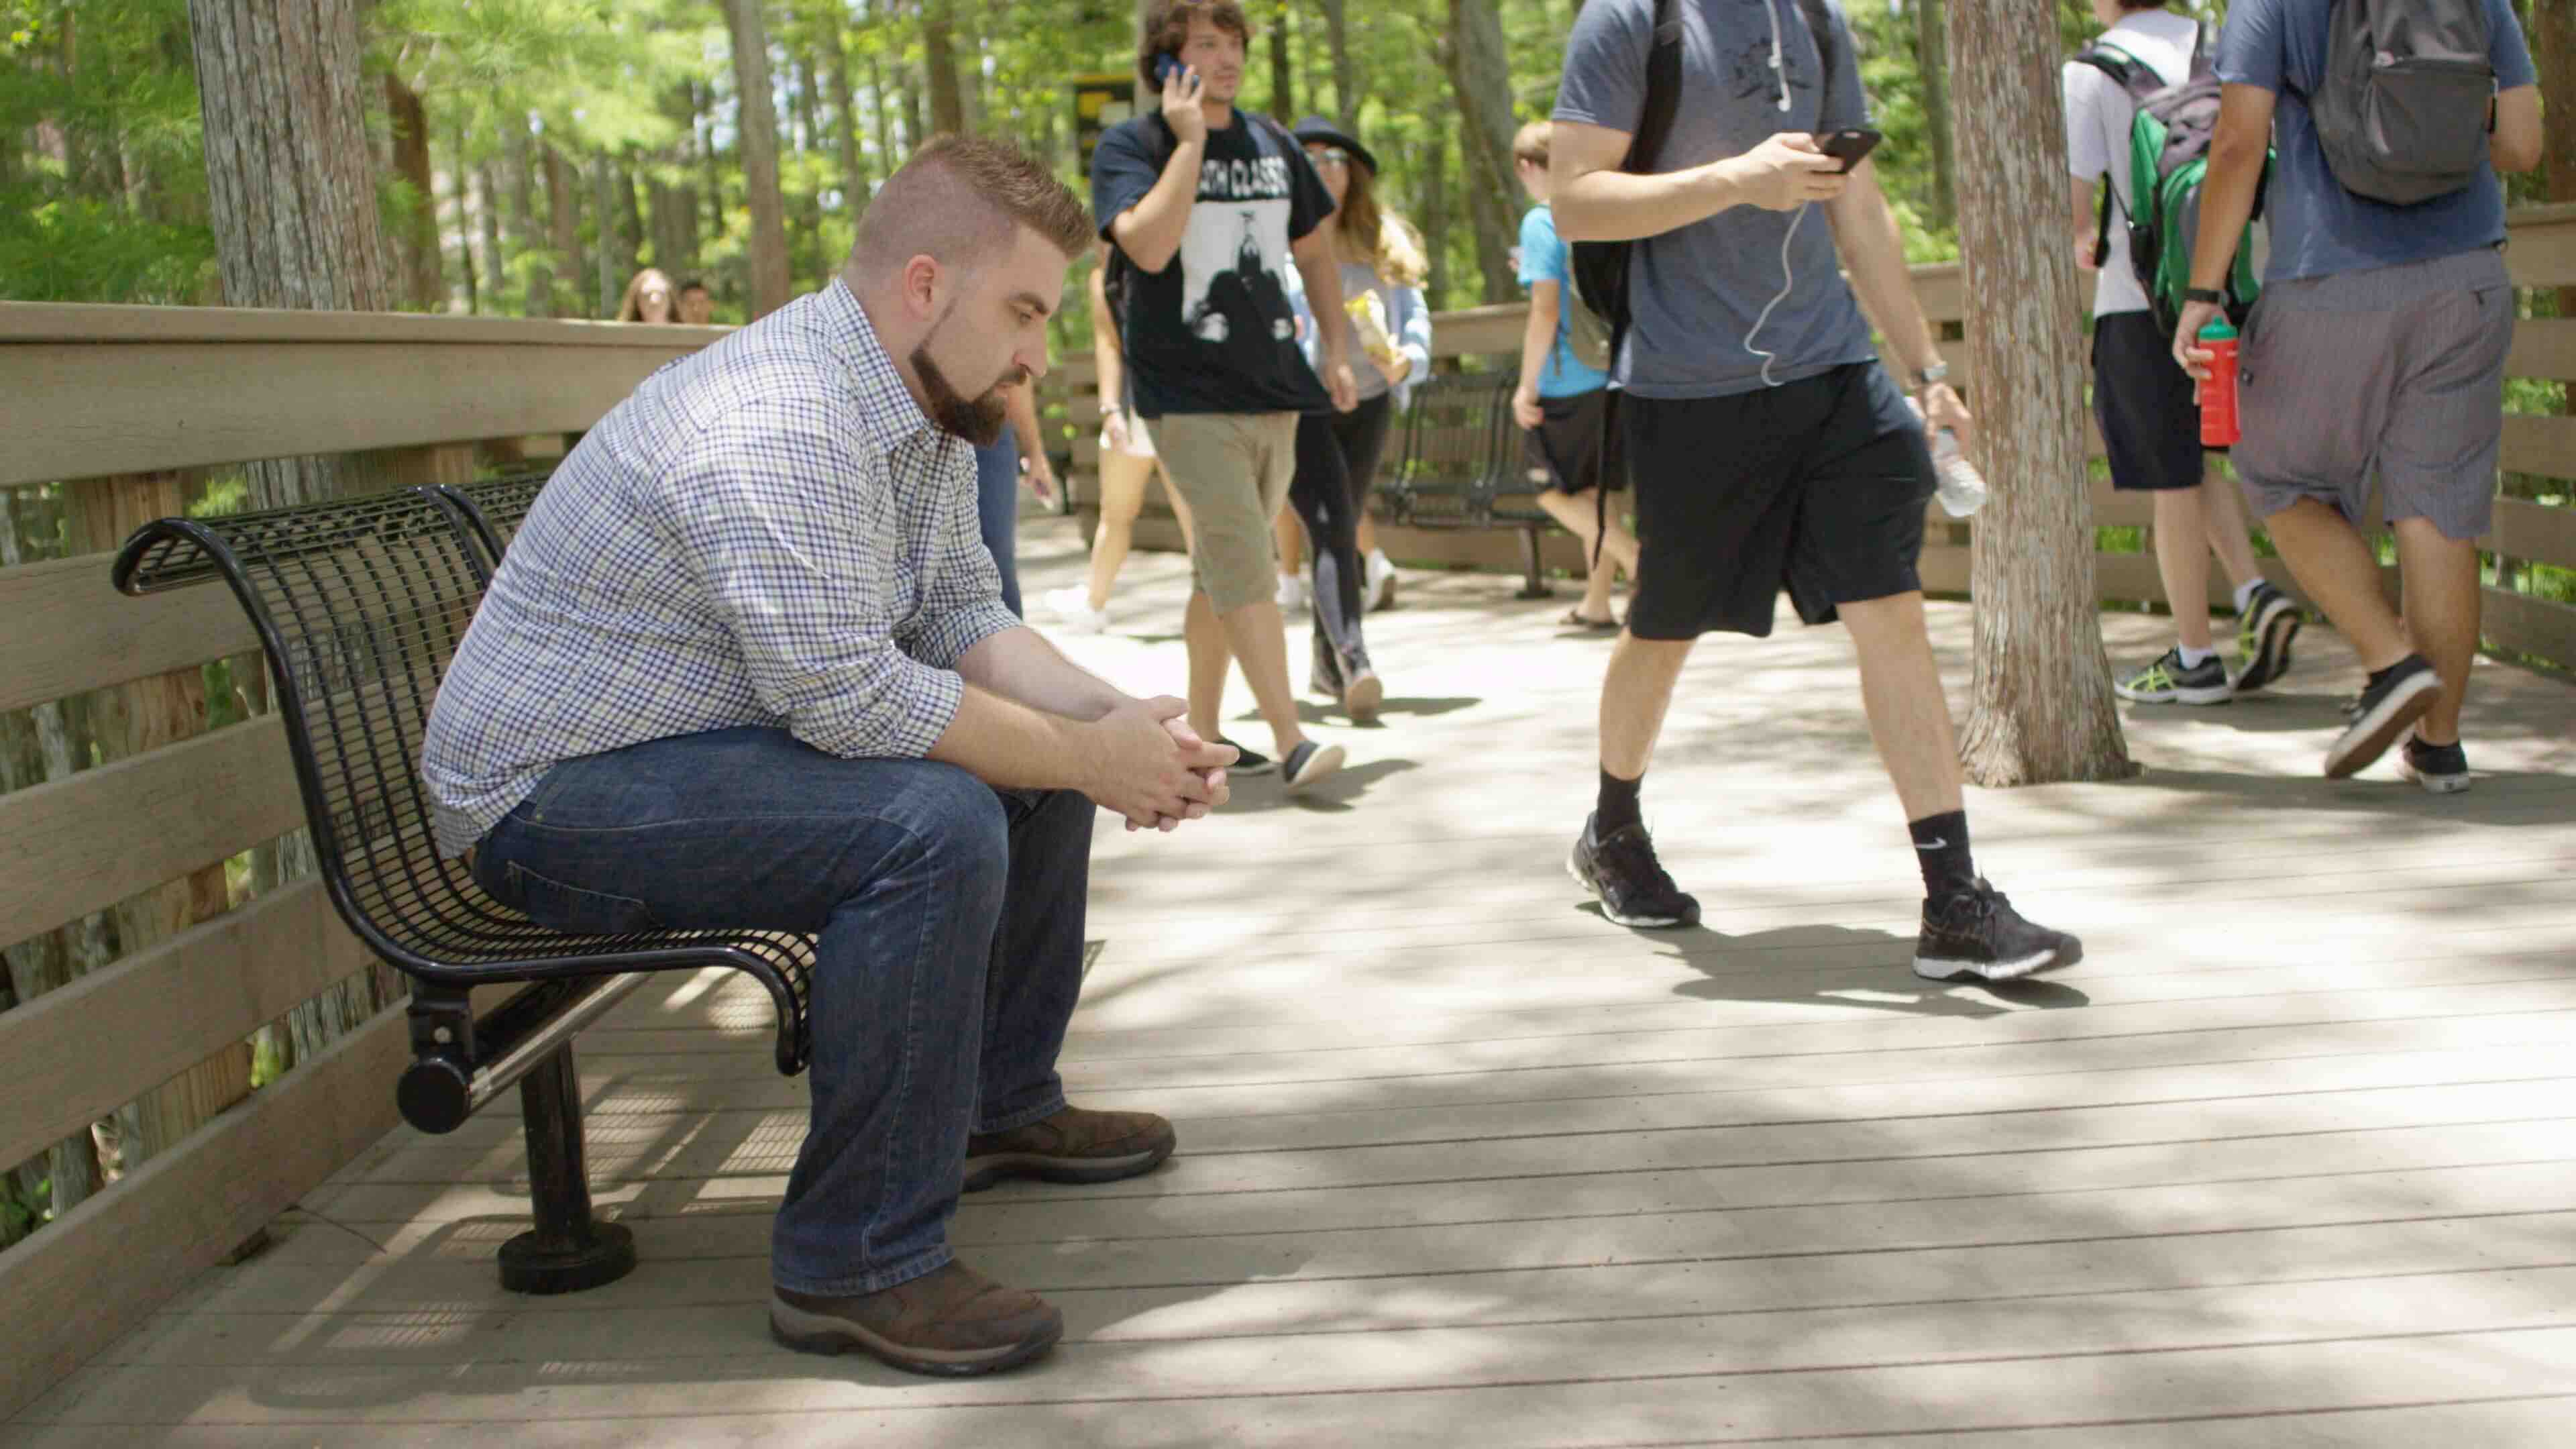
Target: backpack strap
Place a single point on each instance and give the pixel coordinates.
(1820, 25)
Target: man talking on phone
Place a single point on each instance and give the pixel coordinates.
(1767, 445)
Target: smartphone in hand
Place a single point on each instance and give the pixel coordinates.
(1848, 147)
(1166, 66)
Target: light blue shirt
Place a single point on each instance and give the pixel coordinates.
(2318, 229)
(1545, 257)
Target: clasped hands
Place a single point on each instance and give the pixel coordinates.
(1152, 768)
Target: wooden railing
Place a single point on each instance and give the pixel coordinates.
(105, 401)
(2527, 531)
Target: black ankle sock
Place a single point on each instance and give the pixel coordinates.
(1618, 808)
(1941, 848)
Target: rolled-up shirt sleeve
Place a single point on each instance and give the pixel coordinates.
(961, 589)
(762, 507)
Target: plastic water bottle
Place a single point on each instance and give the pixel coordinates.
(1963, 488)
(2218, 423)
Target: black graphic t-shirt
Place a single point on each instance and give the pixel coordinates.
(1213, 331)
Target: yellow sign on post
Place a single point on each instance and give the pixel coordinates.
(1100, 101)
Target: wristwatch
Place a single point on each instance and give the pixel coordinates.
(1932, 376)
(2212, 295)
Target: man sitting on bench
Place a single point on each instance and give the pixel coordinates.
(746, 666)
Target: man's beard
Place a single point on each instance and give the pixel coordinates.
(978, 421)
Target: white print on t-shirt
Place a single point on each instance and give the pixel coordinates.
(1234, 253)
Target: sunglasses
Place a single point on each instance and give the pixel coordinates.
(1332, 156)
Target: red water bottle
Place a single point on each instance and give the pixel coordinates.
(2218, 425)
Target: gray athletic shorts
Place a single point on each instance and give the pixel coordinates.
(2399, 369)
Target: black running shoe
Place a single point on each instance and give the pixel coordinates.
(1248, 761)
(2385, 711)
(2441, 769)
(2263, 636)
(1631, 883)
(1978, 936)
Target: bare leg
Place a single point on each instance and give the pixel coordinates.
(1291, 537)
(1368, 534)
(2335, 564)
(2224, 510)
(2442, 604)
(1634, 696)
(1900, 687)
(1577, 513)
(1209, 656)
(2182, 559)
(1259, 639)
(1122, 496)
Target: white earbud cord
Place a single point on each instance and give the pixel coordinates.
(1788, 277)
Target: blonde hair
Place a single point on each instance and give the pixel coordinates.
(632, 309)
(1393, 248)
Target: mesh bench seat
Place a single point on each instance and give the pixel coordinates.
(359, 605)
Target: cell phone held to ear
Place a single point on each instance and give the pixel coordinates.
(1166, 66)
(1848, 147)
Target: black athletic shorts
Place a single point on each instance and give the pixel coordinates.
(2149, 413)
(1818, 486)
(1565, 450)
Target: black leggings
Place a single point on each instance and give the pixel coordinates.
(1337, 457)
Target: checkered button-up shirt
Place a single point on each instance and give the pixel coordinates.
(769, 532)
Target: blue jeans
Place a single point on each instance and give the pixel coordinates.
(997, 508)
(949, 917)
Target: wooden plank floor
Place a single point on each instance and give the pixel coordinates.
(2290, 1158)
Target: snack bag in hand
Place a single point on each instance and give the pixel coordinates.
(1368, 319)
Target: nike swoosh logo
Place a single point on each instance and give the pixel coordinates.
(1935, 845)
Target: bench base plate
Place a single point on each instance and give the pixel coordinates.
(539, 1263)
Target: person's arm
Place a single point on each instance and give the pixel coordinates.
(1596, 201)
(1132, 761)
(2227, 194)
(1873, 252)
(2088, 224)
(1108, 359)
(1413, 334)
(1323, 278)
(1538, 339)
(1150, 231)
(1022, 406)
(2515, 146)
(1021, 666)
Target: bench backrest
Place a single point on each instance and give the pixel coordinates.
(495, 507)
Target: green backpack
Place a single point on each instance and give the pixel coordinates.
(2168, 161)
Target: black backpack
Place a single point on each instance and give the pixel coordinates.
(2408, 97)
(1601, 268)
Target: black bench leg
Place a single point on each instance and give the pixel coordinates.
(568, 1250)
(1534, 585)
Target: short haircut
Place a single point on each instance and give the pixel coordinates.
(959, 198)
(693, 285)
(2144, 4)
(1530, 143)
(1167, 29)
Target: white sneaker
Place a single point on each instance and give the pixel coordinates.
(1292, 594)
(1073, 606)
(1381, 582)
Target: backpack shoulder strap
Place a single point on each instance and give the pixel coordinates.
(1820, 24)
(1663, 88)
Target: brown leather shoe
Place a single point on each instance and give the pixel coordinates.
(1074, 1145)
(954, 1323)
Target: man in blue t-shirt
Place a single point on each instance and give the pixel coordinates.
(2379, 345)
(1563, 402)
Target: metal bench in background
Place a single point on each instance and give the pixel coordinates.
(359, 606)
(1460, 455)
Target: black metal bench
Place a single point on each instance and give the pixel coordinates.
(359, 606)
(1460, 455)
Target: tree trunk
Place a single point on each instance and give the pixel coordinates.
(2553, 44)
(527, 238)
(939, 59)
(845, 120)
(293, 207)
(496, 260)
(882, 103)
(462, 174)
(563, 227)
(1435, 217)
(1346, 99)
(416, 231)
(1283, 75)
(1932, 62)
(611, 282)
(2042, 708)
(1481, 82)
(758, 130)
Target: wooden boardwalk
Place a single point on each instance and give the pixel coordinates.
(2290, 1158)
